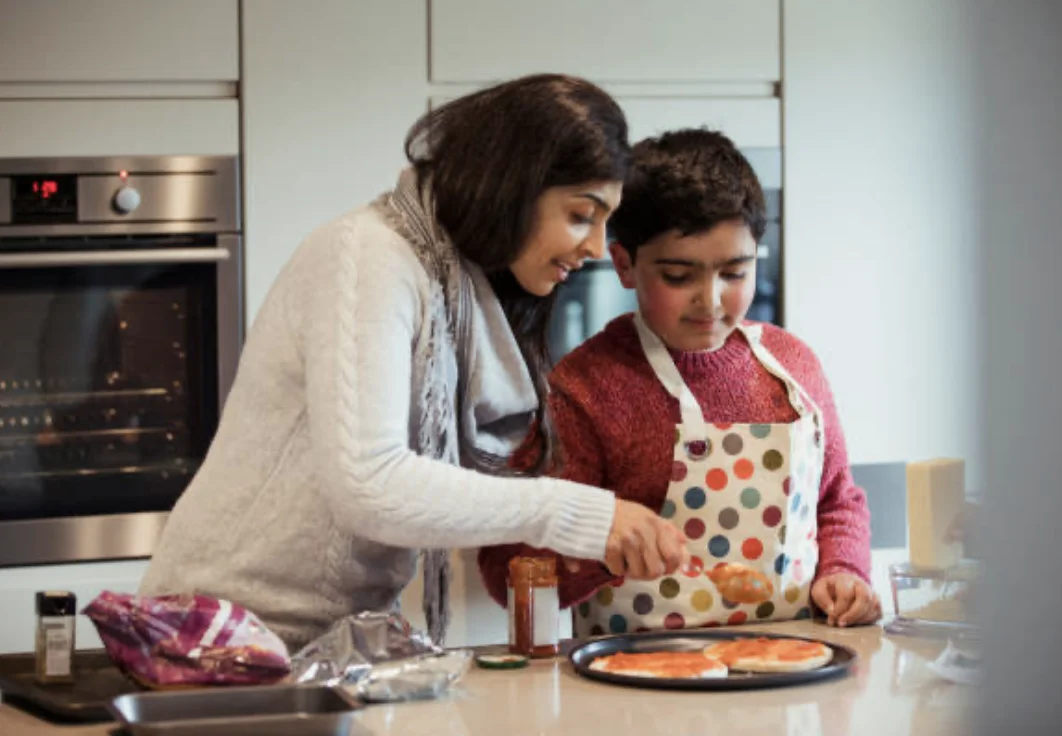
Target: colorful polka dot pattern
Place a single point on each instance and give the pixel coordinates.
(743, 494)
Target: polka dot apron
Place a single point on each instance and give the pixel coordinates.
(745, 495)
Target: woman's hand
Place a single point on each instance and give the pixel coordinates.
(643, 546)
(846, 600)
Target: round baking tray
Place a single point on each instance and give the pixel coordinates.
(694, 640)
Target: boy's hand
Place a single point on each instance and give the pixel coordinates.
(846, 600)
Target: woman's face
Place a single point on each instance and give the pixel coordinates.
(568, 227)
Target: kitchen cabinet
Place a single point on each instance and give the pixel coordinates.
(327, 97)
(676, 41)
(119, 41)
(750, 123)
(85, 127)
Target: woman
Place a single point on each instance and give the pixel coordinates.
(402, 340)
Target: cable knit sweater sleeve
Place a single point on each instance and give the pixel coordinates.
(359, 328)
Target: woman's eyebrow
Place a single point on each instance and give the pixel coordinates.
(596, 200)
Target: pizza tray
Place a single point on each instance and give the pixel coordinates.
(694, 640)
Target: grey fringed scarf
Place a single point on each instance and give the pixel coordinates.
(491, 407)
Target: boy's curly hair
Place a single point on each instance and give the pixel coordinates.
(688, 180)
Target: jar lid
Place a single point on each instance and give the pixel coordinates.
(539, 570)
(501, 661)
(56, 603)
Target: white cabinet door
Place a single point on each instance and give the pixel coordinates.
(670, 41)
(119, 128)
(119, 41)
(327, 97)
(750, 123)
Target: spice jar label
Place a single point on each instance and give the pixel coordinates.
(58, 635)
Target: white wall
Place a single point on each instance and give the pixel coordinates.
(881, 211)
(19, 586)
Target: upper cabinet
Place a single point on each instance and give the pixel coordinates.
(673, 41)
(750, 123)
(119, 41)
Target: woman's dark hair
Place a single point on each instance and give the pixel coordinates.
(489, 156)
(687, 180)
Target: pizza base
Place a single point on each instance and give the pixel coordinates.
(771, 655)
(680, 665)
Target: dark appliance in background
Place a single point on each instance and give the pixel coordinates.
(120, 329)
(593, 296)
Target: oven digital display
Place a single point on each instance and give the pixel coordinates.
(43, 199)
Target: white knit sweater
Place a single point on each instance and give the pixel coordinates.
(311, 504)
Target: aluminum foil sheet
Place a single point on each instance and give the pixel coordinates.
(380, 657)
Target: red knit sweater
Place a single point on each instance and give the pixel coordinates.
(616, 427)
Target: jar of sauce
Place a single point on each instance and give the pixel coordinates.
(534, 607)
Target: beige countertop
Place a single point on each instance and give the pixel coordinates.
(889, 692)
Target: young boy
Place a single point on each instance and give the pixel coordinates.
(724, 426)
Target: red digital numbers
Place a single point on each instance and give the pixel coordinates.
(45, 188)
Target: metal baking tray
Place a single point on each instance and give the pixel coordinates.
(96, 682)
(695, 640)
(267, 710)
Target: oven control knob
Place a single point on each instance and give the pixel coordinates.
(126, 200)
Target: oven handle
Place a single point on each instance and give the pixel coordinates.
(113, 257)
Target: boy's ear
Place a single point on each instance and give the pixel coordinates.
(621, 259)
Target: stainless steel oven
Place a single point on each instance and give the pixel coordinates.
(120, 328)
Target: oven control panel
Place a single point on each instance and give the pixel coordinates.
(41, 196)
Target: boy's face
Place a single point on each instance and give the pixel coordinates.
(693, 290)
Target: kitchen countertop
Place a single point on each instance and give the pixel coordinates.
(890, 691)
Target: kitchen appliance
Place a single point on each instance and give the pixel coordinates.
(121, 299)
(593, 296)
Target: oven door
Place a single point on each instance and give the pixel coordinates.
(115, 356)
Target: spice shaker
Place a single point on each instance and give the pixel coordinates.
(56, 612)
(534, 607)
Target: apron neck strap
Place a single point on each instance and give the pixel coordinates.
(801, 402)
(668, 374)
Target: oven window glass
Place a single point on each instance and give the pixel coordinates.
(108, 387)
